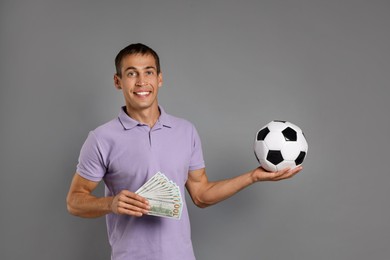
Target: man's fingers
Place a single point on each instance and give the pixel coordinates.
(287, 173)
(124, 208)
(124, 211)
(129, 203)
(133, 199)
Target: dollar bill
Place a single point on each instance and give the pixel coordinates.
(163, 195)
(165, 208)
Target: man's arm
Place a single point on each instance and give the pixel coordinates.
(82, 203)
(205, 193)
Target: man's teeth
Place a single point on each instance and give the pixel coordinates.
(142, 93)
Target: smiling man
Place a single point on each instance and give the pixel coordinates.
(130, 149)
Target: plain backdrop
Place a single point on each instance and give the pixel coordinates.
(230, 67)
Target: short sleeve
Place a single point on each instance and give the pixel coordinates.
(91, 164)
(197, 161)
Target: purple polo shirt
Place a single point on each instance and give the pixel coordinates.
(125, 154)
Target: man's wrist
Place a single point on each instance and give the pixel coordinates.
(110, 206)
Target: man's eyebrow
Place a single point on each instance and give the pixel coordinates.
(130, 68)
(145, 68)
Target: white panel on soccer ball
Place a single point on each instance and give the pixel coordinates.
(261, 150)
(276, 126)
(301, 141)
(275, 140)
(291, 150)
(268, 166)
(286, 163)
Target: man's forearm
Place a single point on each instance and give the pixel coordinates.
(220, 190)
(88, 206)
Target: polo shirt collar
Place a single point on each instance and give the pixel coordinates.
(129, 123)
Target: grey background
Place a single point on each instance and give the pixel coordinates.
(230, 67)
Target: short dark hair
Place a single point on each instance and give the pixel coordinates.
(135, 48)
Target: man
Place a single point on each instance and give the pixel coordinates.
(128, 150)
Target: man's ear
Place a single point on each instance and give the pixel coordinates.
(160, 79)
(117, 81)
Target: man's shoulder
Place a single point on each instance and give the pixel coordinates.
(175, 121)
(107, 129)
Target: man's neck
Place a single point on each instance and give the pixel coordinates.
(146, 116)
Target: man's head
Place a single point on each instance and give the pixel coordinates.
(139, 77)
(134, 49)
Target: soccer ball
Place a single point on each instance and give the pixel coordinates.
(280, 144)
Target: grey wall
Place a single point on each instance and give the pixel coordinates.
(230, 68)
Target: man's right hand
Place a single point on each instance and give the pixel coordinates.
(129, 203)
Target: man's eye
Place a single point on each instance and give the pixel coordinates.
(149, 73)
(131, 74)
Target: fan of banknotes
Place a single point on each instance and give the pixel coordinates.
(163, 195)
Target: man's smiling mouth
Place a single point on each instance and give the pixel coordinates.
(142, 93)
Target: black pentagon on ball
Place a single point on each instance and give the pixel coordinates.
(274, 157)
(289, 134)
(262, 134)
(300, 158)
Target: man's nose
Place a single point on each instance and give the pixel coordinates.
(140, 80)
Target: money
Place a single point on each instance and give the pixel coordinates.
(163, 195)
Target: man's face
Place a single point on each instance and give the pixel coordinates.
(139, 82)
